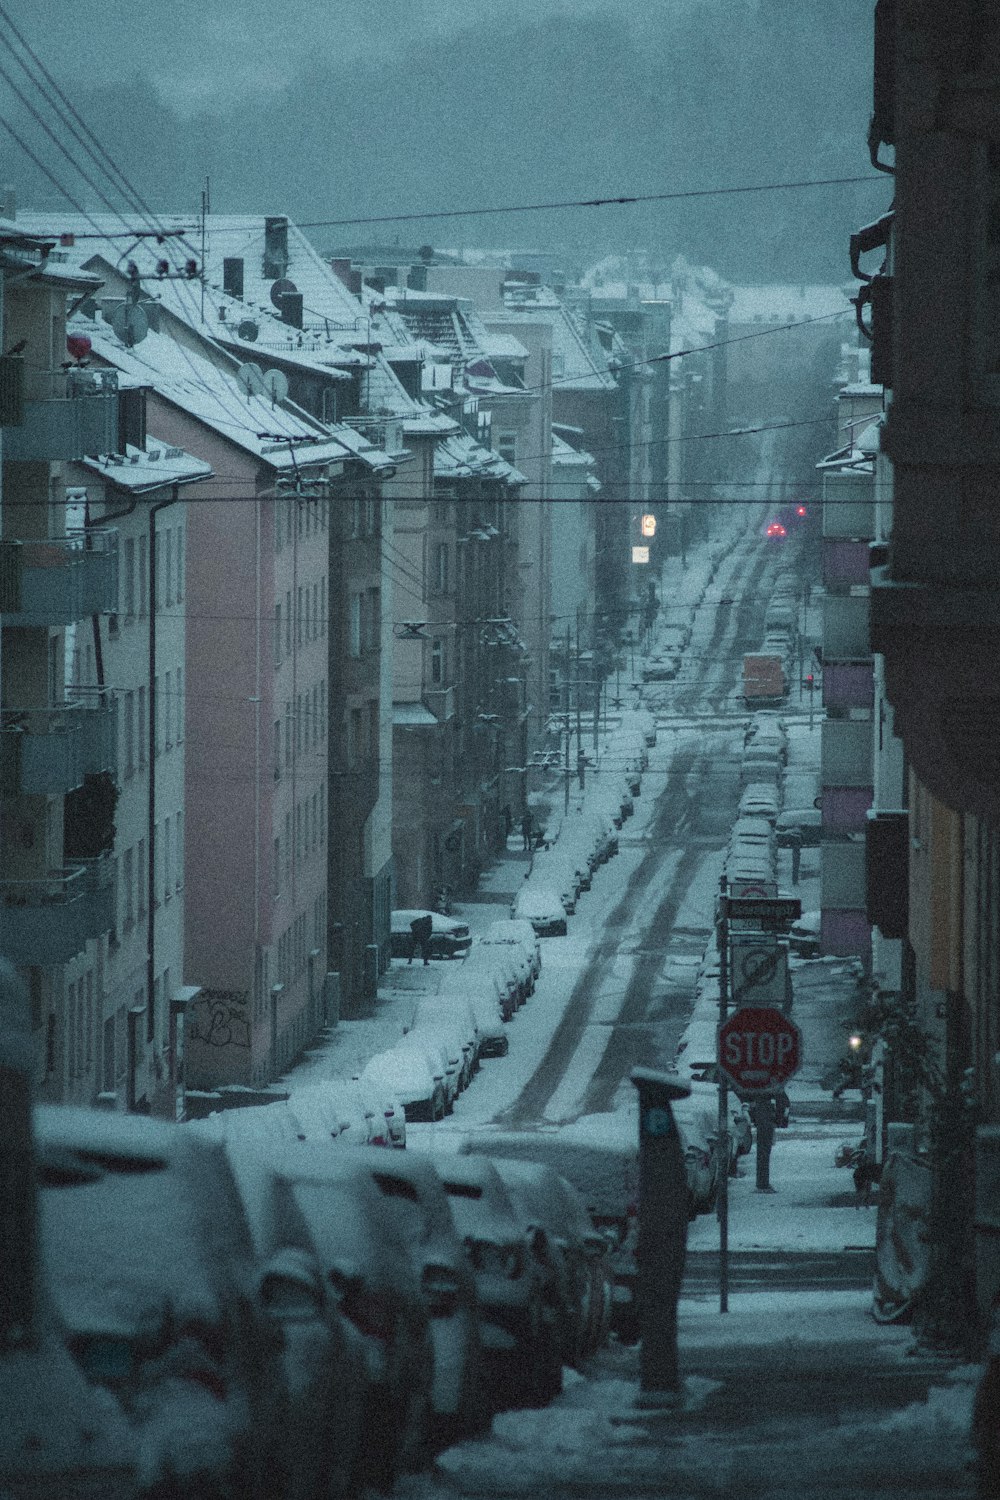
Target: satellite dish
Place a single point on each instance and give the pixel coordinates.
(130, 324)
(251, 379)
(282, 288)
(248, 331)
(276, 385)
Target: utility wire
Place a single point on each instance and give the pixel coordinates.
(619, 200)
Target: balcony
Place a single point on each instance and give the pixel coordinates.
(49, 921)
(48, 751)
(844, 926)
(845, 563)
(441, 702)
(849, 505)
(846, 756)
(65, 414)
(848, 684)
(845, 627)
(58, 580)
(11, 390)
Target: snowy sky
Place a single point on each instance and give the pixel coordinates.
(198, 54)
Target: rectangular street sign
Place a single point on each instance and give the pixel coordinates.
(758, 969)
(769, 911)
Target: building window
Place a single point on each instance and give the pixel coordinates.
(141, 879)
(374, 620)
(168, 709)
(437, 660)
(322, 710)
(178, 851)
(373, 727)
(441, 568)
(288, 846)
(129, 733)
(353, 737)
(322, 812)
(276, 871)
(180, 564)
(323, 591)
(168, 566)
(167, 861)
(288, 735)
(142, 728)
(506, 446)
(354, 626)
(128, 601)
(157, 717)
(288, 622)
(308, 623)
(298, 617)
(143, 577)
(179, 722)
(277, 749)
(128, 889)
(277, 634)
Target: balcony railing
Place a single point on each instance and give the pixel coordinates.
(11, 390)
(65, 414)
(59, 580)
(49, 921)
(49, 751)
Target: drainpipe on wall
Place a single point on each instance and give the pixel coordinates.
(154, 510)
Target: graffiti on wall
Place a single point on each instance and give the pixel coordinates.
(220, 1018)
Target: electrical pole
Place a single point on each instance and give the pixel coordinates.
(566, 728)
(722, 1198)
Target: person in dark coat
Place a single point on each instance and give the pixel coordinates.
(421, 929)
(764, 1116)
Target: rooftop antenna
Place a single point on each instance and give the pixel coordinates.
(204, 215)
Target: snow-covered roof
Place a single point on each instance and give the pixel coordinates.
(564, 453)
(413, 715)
(213, 395)
(578, 361)
(778, 303)
(460, 457)
(148, 468)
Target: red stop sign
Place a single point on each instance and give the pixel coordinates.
(759, 1048)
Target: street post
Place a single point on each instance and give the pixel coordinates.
(722, 1200)
(663, 1219)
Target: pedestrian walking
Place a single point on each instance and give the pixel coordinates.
(420, 931)
(764, 1116)
(527, 824)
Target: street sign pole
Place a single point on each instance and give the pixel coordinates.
(722, 1198)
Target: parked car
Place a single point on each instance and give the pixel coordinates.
(583, 1269)
(369, 1271)
(151, 1265)
(456, 1025)
(322, 1355)
(760, 764)
(697, 1120)
(412, 1188)
(802, 823)
(760, 799)
(506, 931)
(443, 1056)
(804, 936)
(411, 1077)
(541, 906)
(521, 1351)
(483, 991)
(492, 967)
(450, 938)
(515, 958)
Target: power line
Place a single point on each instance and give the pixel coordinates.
(617, 201)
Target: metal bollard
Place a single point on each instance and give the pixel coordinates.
(663, 1220)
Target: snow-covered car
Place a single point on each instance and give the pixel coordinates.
(804, 937)
(450, 938)
(517, 954)
(803, 825)
(583, 1269)
(412, 1188)
(541, 906)
(369, 1271)
(322, 1356)
(443, 1054)
(760, 763)
(152, 1270)
(552, 870)
(661, 666)
(502, 973)
(482, 991)
(382, 1102)
(521, 1350)
(506, 931)
(335, 1108)
(409, 1074)
(697, 1120)
(760, 799)
(456, 1027)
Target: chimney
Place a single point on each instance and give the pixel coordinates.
(291, 309)
(275, 247)
(232, 276)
